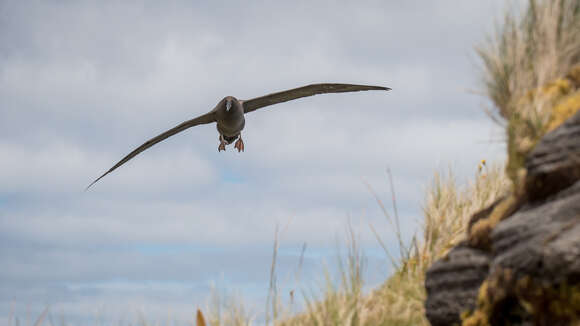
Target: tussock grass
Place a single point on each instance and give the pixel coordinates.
(447, 209)
(529, 52)
(339, 303)
(530, 65)
(224, 309)
(400, 300)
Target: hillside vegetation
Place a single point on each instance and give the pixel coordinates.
(400, 300)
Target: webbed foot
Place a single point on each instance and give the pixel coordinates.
(239, 144)
(223, 143)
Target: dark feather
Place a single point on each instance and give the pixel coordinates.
(202, 119)
(304, 91)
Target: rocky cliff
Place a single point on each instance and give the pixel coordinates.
(520, 262)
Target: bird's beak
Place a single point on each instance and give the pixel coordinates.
(228, 105)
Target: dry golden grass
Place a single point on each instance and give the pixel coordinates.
(400, 300)
(529, 52)
(447, 209)
(532, 75)
(225, 310)
(525, 65)
(339, 304)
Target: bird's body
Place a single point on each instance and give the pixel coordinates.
(229, 115)
(229, 122)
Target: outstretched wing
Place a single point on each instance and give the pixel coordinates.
(304, 91)
(202, 119)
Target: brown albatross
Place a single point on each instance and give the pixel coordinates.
(229, 115)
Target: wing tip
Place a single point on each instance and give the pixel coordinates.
(92, 183)
(375, 88)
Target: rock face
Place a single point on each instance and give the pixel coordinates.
(528, 273)
(542, 241)
(452, 284)
(554, 164)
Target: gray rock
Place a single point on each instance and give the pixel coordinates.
(554, 164)
(540, 241)
(452, 284)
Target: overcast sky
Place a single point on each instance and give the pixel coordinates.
(83, 83)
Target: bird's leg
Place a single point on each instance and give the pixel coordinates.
(223, 144)
(239, 144)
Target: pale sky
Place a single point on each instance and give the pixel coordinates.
(83, 83)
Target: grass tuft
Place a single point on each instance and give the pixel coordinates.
(447, 210)
(400, 300)
(226, 309)
(529, 66)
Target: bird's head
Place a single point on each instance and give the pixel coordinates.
(229, 103)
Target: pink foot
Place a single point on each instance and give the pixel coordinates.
(239, 145)
(223, 143)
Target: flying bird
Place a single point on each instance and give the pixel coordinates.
(229, 115)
